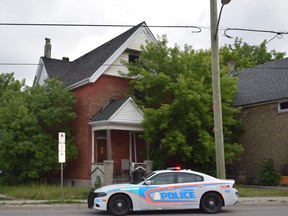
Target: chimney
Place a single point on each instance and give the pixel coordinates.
(47, 48)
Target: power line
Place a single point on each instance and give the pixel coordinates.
(18, 64)
(37, 64)
(278, 34)
(253, 30)
(95, 25)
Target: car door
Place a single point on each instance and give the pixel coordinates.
(189, 188)
(158, 192)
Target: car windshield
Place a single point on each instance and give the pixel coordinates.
(143, 178)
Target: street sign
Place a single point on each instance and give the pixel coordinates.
(61, 153)
(62, 157)
(61, 147)
(61, 137)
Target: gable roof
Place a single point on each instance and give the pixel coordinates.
(118, 112)
(263, 83)
(109, 110)
(83, 69)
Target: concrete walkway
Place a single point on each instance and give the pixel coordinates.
(262, 200)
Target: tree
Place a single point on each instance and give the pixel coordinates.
(173, 87)
(30, 119)
(246, 55)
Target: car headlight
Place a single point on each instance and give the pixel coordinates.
(100, 194)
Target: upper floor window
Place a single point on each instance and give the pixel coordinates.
(283, 106)
(133, 57)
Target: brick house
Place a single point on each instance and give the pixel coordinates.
(107, 126)
(263, 97)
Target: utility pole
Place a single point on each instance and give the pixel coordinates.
(217, 104)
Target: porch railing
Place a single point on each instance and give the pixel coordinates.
(137, 171)
(133, 171)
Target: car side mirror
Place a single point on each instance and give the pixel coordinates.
(148, 182)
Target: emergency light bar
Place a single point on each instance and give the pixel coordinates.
(174, 168)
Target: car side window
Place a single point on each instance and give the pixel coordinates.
(163, 178)
(187, 177)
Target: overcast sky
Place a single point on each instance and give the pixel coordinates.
(25, 44)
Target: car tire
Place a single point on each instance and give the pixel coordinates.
(119, 204)
(211, 203)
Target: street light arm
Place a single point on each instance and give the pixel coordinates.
(218, 21)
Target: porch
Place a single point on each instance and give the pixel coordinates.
(108, 173)
(118, 151)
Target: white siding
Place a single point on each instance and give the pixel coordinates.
(128, 113)
(114, 69)
(141, 39)
(43, 76)
(117, 66)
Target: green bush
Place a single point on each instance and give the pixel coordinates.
(268, 175)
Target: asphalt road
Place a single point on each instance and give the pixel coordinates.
(238, 210)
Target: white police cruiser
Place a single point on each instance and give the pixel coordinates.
(166, 189)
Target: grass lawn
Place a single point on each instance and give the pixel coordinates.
(53, 192)
(44, 192)
(249, 191)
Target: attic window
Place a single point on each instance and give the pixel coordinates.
(133, 57)
(283, 106)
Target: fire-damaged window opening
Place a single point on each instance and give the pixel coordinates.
(133, 57)
(283, 106)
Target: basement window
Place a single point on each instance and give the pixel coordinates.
(283, 106)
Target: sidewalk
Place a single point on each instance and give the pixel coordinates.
(262, 200)
(41, 203)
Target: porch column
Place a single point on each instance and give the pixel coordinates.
(135, 147)
(149, 166)
(130, 147)
(93, 148)
(109, 145)
(108, 172)
(147, 151)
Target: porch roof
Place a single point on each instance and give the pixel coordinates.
(118, 115)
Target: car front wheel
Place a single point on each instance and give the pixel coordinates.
(211, 203)
(119, 205)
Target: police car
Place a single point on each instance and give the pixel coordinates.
(166, 189)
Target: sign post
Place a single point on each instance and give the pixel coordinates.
(61, 158)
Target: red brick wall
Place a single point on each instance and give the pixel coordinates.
(120, 147)
(89, 100)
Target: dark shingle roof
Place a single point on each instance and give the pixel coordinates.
(85, 66)
(109, 110)
(57, 68)
(263, 83)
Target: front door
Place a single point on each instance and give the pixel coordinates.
(101, 150)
